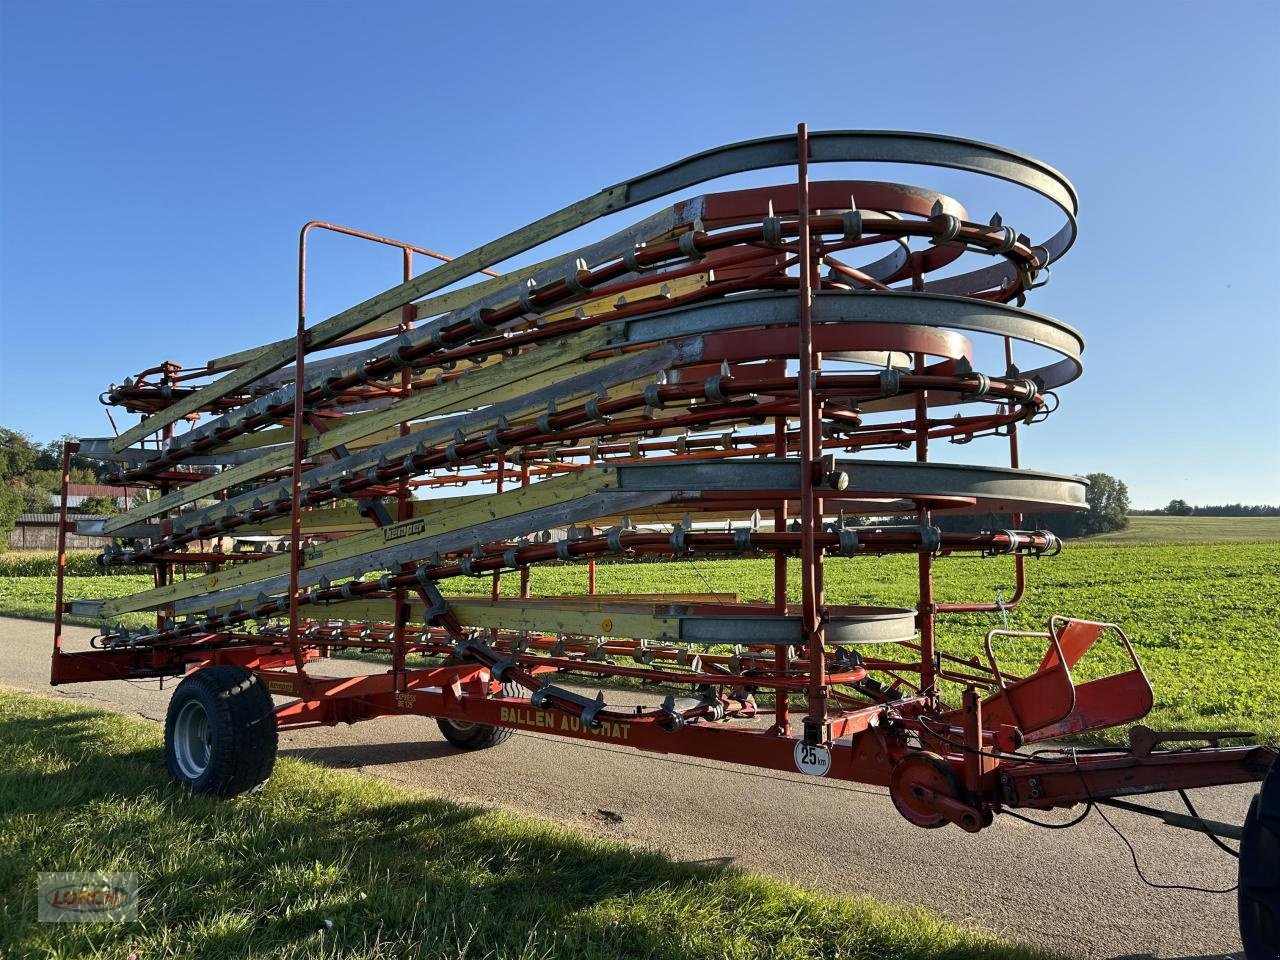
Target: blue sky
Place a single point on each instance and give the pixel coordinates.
(158, 159)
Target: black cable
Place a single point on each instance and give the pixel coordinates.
(689, 558)
(1075, 750)
(1050, 826)
(1133, 854)
(1143, 877)
(1032, 757)
(1216, 840)
(1092, 806)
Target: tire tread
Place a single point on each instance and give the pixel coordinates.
(242, 715)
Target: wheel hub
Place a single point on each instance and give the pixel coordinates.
(916, 780)
(192, 739)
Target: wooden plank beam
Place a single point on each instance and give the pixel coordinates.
(573, 389)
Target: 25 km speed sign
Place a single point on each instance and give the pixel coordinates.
(813, 760)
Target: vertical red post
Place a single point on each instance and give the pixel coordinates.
(524, 571)
(68, 448)
(163, 573)
(497, 574)
(404, 506)
(781, 709)
(810, 448)
(299, 408)
(926, 610)
(974, 759)
(591, 569)
(1015, 461)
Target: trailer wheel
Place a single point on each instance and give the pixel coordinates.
(220, 732)
(920, 771)
(1259, 895)
(476, 736)
(473, 736)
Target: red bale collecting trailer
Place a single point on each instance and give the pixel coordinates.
(718, 379)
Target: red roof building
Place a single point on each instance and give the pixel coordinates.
(77, 493)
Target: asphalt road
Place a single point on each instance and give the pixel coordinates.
(1072, 890)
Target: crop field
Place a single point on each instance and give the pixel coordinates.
(34, 596)
(1201, 614)
(1152, 531)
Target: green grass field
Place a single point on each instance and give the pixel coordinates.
(1202, 614)
(1153, 531)
(404, 875)
(325, 864)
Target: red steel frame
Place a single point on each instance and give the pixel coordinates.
(942, 763)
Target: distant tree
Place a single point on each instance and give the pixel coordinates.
(36, 497)
(18, 456)
(83, 469)
(31, 477)
(10, 509)
(38, 488)
(1238, 510)
(98, 506)
(1108, 500)
(1179, 508)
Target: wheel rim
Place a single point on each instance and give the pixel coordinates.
(911, 778)
(192, 739)
(462, 726)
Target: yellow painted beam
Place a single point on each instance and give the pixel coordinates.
(346, 519)
(448, 520)
(465, 389)
(423, 309)
(600, 600)
(446, 274)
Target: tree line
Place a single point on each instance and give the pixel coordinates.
(1180, 508)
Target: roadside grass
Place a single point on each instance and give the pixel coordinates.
(329, 864)
(1202, 616)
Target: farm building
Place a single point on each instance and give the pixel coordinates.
(39, 531)
(78, 493)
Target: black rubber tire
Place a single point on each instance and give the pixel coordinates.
(477, 736)
(1259, 896)
(220, 734)
(474, 736)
